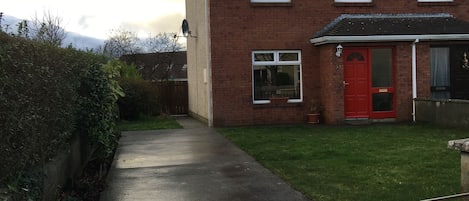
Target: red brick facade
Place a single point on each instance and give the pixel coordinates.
(239, 27)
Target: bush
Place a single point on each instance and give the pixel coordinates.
(127, 71)
(37, 101)
(99, 92)
(46, 95)
(140, 99)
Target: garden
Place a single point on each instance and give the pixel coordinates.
(375, 162)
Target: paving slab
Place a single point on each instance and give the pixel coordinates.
(191, 164)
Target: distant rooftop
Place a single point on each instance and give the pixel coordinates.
(160, 66)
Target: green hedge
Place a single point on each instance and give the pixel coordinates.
(140, 99)
(46, 95)
(99, 92)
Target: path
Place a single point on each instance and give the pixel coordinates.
(191, 164)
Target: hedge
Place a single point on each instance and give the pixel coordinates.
(140, 99)
(46, 95)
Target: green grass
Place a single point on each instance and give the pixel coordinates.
(357, 163)
(149, 123)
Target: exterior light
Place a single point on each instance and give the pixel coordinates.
(339, 49)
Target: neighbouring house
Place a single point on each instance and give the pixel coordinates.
(361, 59)
(160, 66)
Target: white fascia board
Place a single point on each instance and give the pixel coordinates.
(385, 38)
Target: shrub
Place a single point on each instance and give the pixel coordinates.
(127, 71)
(140, 99)
(37, 101)
(99, 92)
(47, 94)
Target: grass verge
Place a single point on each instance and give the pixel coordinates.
(149, 123)
(366, 163)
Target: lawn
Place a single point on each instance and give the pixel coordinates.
(357, 163)
(149, 123)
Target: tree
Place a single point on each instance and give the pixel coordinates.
(121, 42)
(23, 30)
(3, 27)
(1, 20)
(45, 30)
(48, 29)
(163, 42)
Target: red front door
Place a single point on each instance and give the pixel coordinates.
(356, 83)
(369, 90)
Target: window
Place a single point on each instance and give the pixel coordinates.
(352, 1)
(434, 0)
(276, 74)
(440, 72)
(270, 1)
(381, 67)
(382, 79)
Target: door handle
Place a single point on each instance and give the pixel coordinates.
(345, 83)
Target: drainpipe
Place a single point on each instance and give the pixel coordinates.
(414, 76)
(209, 66)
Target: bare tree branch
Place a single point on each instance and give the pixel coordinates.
(121, 42)
(163, 42)
(48, 29)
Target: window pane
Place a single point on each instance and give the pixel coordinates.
(270, 1)
(381, 67)
(355, 56)
(278, 81)
(434, 0)
(439, 73)
(382, 102)
(288, 56)
(264, 57)
(352, 1)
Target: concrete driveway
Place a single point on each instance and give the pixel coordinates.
(191, 164)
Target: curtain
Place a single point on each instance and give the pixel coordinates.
(439, 72)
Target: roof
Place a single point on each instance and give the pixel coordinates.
(392, 27)
(160, 66)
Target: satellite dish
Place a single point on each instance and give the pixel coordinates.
(185, 28)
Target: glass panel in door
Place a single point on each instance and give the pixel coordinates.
(382, 83)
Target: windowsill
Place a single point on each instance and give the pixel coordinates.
(437, 3)
(352, 4)
(277, 102)
(277, 105)
(271, 4)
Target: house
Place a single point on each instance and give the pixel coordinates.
(362, 59)
(160, 66)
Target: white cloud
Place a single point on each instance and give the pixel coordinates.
(97, 17)
(170, 24)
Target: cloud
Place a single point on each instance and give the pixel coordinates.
(168, 23)
(83, 21)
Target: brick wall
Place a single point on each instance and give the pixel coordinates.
(403, 73)
(239, 27)
(332, 90)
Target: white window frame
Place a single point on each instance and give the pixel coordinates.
(353, 1)
(270, 1)
(424, 1)
(280, 63)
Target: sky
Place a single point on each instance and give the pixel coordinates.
(96, 18)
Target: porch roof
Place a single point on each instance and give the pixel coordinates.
(392, 27)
